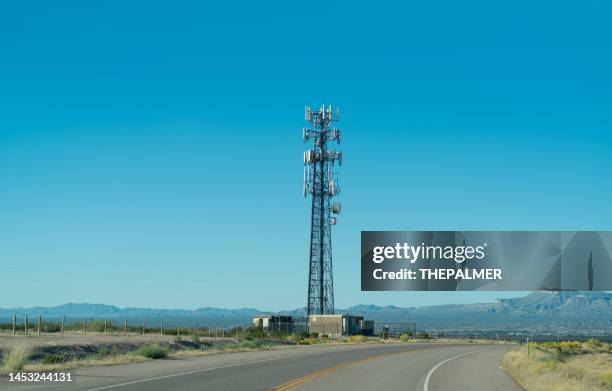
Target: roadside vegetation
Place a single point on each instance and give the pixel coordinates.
(97, 347)
(154, 352)
(16, 357)
(564, 366)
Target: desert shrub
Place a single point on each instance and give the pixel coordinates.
(570, 347)
(50, 327)
(549, 345)
(244, 345)
(546, 364)
(404, 338)
(606, 379)
(253, 332)
(16, 357)
(97, 325)
(357, 339)
(291, 338)
(53, 359)
(251, 344)
(592, 343)
(152, 351)
(304, 341)
(567, 345)
(108, 350)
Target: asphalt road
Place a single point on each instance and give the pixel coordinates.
(422, 367)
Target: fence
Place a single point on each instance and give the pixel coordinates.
(38, 325)
(57, 326)
(281, 328)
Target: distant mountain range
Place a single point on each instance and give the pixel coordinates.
(105, 310)
(543, 309)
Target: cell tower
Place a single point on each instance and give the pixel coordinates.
(321, 181)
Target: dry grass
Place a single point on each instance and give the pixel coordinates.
(73, 338)
(16, 356)
(405, 338)
(569, 366)
(88, 362)
(244, 346)
(357, 339)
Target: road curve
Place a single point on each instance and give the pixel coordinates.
(462, 368)
(339, 367)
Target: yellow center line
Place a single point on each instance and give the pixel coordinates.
(311, 376)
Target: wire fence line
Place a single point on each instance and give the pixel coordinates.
(37, 325)
(57, 326)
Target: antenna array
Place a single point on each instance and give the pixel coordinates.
(321, 166)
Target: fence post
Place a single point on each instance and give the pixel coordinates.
(105, 324)
(14, 323)
(62, 325)
(178, 329)
(85, 326)
(125, 326)
(161, 327)
(39, 322)
(527, 347)
(25, 325)
(144, 325)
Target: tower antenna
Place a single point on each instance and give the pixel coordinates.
(321, 166)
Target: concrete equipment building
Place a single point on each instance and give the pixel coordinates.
(339, 325)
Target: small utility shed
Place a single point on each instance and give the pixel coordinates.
(335, 325)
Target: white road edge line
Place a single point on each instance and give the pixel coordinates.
(195, 371)
(182, 374)
(431, 371)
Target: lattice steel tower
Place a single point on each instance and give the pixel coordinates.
(321, 181)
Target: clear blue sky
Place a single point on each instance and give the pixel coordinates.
(151, 153)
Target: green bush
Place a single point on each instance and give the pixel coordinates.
(152, 351)
(244, 345)
(53, 359)
(98, 325)
(108, 350)
(404, 338)
(253, 332)
(50, 327)
(357, 339)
